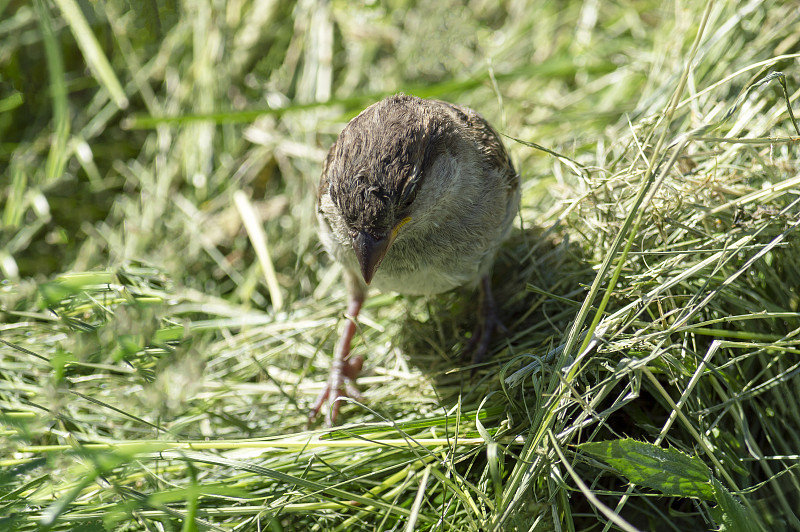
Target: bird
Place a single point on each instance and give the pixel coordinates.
(416, 197)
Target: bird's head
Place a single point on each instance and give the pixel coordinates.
(373, 173)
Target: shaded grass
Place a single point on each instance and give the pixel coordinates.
(149, 379)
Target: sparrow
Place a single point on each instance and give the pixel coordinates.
(415, 197)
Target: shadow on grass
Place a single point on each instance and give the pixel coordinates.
(538, 283)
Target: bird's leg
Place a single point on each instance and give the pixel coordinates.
(487, 323)
(344, 369)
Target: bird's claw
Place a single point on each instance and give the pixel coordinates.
(341, 384)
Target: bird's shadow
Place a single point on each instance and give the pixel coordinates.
(538, 280)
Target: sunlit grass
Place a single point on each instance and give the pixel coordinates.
(159, 354)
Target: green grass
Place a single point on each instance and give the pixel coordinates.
(159, 352)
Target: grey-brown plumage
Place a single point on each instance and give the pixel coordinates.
(415, 197)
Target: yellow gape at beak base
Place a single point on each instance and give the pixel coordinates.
(397, 227)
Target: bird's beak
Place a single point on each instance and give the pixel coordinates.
(371, 250)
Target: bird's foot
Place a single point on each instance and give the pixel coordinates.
(341, 383)
(344, 369)
(488, 323)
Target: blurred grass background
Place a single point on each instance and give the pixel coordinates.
(154, 375)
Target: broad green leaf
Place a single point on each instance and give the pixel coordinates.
(730, 514)
(668, 471)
